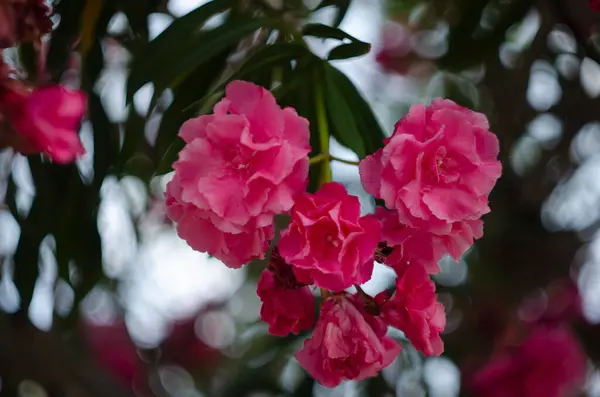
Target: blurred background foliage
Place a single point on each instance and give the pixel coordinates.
(100, 298)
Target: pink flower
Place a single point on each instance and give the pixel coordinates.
(46, 120)
(113, 349)
(414, 310)
(347, 343)
(285, 309)
(549, 363)
(414, 246)
(327, 239)
(241, 165)
(438, 167)
(198, 228)
(397, 54)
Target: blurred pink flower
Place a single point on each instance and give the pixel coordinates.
(396, 54)
(557, 303)
(414, 246)
(286, 310)
(347, 343)
(328, 241)
(414, 310)
(240, 166)
(438, 167)
(114, 350)
(183, 346)
(45, 120)
(549, 363)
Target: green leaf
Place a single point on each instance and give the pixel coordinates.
(455, 87)
(342, 122)
(350, 50)
(368, 127)
(264, 60)
(169, 157)
(136, 157)
(106, 139)
(181, 109)
(469, 44)
(327, 32)
(62, 38)
(301, 97)
(171, 45)
(27, 256)
(206, 47)
(270, 56)
(341, 5)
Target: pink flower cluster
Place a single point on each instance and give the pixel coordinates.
(241, 166)
(248, 161)
(45, 119)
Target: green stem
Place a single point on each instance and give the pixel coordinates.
(318, 158)
(323, 127)
(344, 161)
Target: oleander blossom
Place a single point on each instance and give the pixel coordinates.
(418, 247)
(327, 241)
(438, 167)
(286, 310)
(347, 343)
(45, 120)
(414, 310)
(199, 230)
(549, 363)
(241, 166)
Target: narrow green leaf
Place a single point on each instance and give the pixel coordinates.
(106, 139)
(271, 55)
(27, 256)
(350, 50)
(264, 60)
(342, 120)
(341, 5)
(327, 32)
(301, 97)
(207, 46)
(369, 128)
(169, 157)
(172, 44)
(195, 86)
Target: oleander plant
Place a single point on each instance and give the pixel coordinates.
(453, 256)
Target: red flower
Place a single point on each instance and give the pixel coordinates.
(414, 310)
(284, 309)
(347, 343)
(327, 239)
